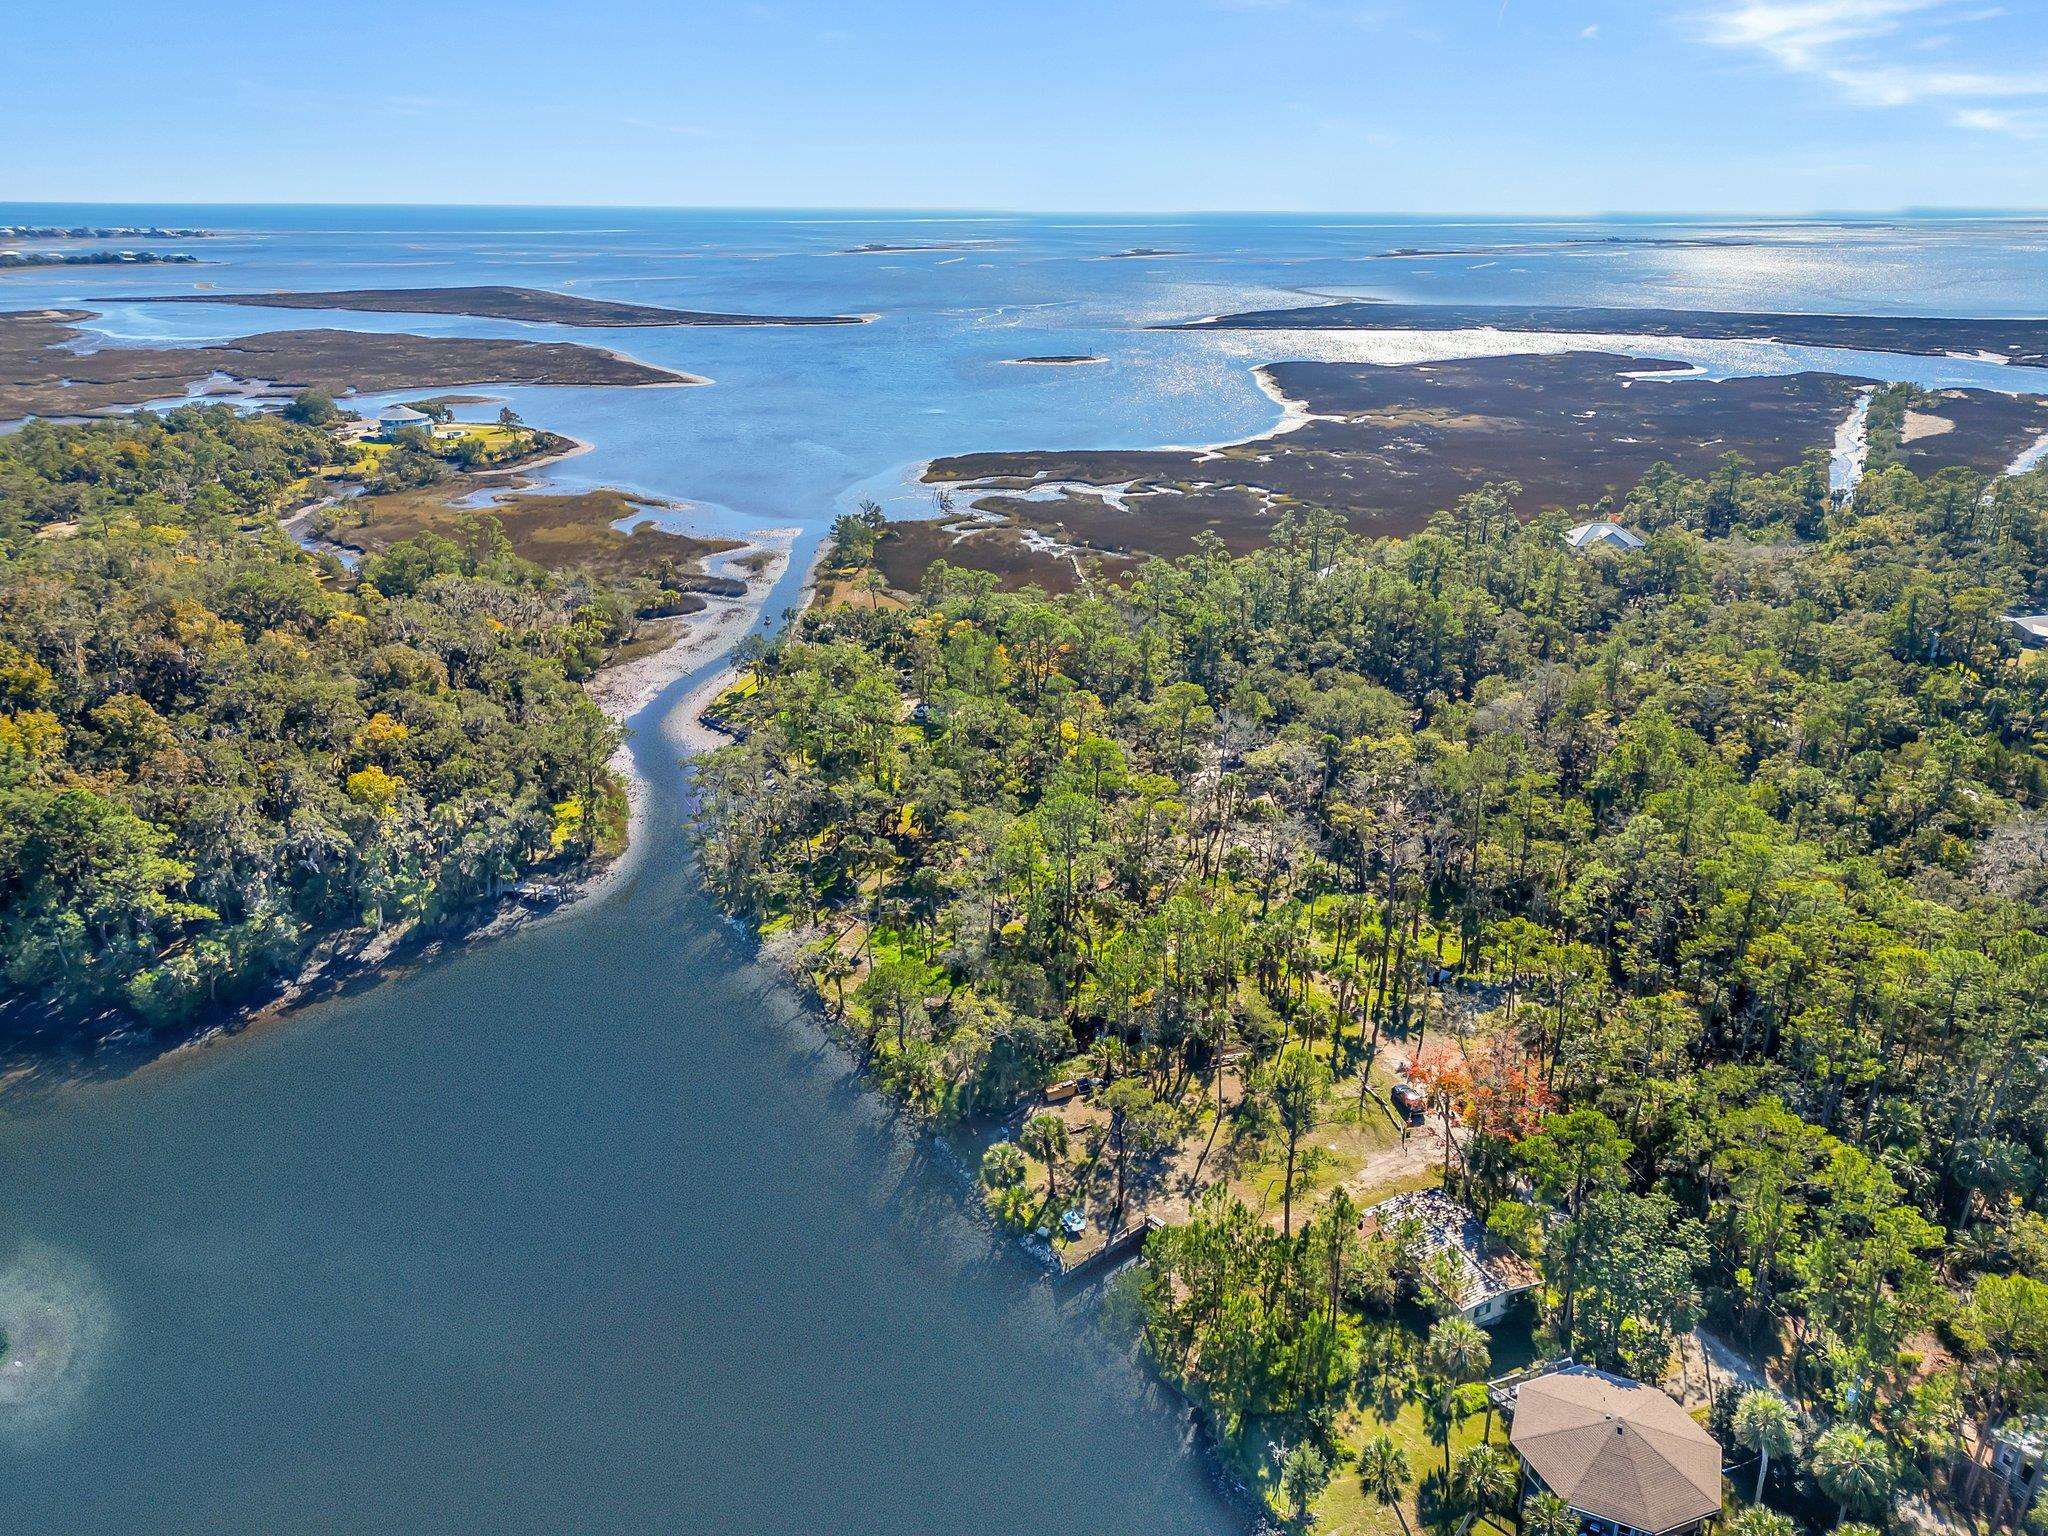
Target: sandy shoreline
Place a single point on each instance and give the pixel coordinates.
(687, 721)
(625, 689)
(1294, 415)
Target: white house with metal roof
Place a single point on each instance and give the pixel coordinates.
(2033, 628)
(1602, 533)
(394, 419)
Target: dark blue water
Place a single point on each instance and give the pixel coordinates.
(587, 1229)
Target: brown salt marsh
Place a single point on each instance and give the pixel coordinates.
(561, 531)
(40, 376)
(1969, 429)
(534, 305)
(1387, 446)
(999, 546)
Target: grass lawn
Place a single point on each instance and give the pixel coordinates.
(1339, 1149)
(493, 439)
(1346, 1509)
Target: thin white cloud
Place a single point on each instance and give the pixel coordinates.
(1855, 46)
(1799, 34)
(1903, 85)
(1587, 34)
(2019, 125)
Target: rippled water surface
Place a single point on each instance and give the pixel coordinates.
(587, 1230)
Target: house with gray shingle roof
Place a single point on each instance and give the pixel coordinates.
(1626, 1458)
(2032, 627)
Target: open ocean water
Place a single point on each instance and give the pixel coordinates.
(588, 1230)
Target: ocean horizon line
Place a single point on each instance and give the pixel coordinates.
(1915, 213)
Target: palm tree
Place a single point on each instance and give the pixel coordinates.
(1384, 1473)
(1485, 1478)
(835, 969)
(1764, 1423)
(1045, 1138)
(1545, 1514)
(1002, 1166)
(1852, 1467)
(1456, 1353)
(1758, 1521)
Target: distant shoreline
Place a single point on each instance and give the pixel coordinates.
(534, 306)
(41, 261)
(40, 374)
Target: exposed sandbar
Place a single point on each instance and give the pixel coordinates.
(884, 248)
(2022, 342)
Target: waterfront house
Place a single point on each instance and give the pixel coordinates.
(394, 419)
(1488, 1281)
(1626, 1458)
(1602, 533)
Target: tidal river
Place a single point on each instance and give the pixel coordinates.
(588, 1230)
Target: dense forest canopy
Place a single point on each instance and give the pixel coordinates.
(217, 750)
(1721, 861)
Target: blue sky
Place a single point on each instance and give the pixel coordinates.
(1352, 105)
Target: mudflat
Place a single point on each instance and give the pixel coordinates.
(2018, 341)
(41, 376)
(536, 305)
